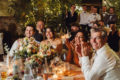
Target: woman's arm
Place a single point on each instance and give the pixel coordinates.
(69, 55)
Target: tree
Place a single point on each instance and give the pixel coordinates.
(50, 11)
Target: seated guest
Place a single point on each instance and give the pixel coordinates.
(102, 25)
(74, 30)
(72, 56)
(40, 31)
(24, 48)
(106, 63)
(113, 38)
(29, 32)
(95, 25)
(56, 43)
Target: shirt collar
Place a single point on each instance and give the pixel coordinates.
(102, 49)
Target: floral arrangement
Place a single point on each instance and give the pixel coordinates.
(35, 60)
(47, 50)
(27, 47)
(6, 48)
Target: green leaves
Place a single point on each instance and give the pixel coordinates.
(50, 11)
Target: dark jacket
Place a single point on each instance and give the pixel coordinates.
(113, 19)
(38, 37)
(71, 19)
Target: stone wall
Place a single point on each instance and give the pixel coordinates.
(5, 21)
(4, 8)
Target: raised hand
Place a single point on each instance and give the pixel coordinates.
(85, 49)
(78, 50)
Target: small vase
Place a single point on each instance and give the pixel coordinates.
(46, 65)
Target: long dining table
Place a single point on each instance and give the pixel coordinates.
(73, 73)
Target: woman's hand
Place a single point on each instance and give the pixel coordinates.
(85, 49)
(78, 50)
(82, 49)
(72, 44)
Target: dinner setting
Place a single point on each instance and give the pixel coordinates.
(59, 40)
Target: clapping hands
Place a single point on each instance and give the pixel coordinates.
(82, 49)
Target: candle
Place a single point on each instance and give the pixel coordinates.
(61, 72)
(55, 76)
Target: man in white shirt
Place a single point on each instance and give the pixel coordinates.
(29, 32)
(106, 63)
(84, 18)
(93, 17)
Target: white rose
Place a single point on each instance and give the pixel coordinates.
(21, 48)
(28, 50)
(31, 61)
(25, 39)
(20, 43)
(16, 51)
(29, 46)
(41, 55)
(54, 46)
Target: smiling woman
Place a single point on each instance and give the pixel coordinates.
(56, 43)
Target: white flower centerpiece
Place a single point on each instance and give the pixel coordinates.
(47, 51)
(27, 47)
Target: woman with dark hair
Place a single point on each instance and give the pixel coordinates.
(72, 56)
(56, 43)
(49, 33)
